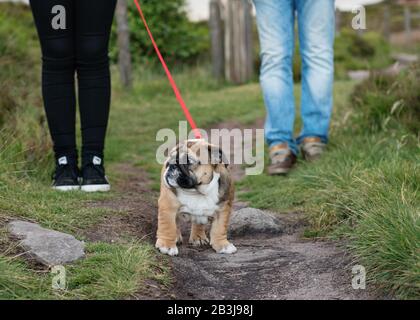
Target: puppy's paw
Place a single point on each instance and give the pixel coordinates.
(199, 241)
(179, 238)
(170, 250)
(226, 249)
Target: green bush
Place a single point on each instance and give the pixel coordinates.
(354, 52)
(390, 102)
(179, 40)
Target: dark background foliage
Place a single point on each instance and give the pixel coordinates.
(180, 40)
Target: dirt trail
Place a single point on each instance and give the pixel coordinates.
(282, 266)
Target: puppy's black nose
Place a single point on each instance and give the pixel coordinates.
(186, 182)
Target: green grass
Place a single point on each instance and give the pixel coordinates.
(17, 281)
(108, 272)
(365, 189)
(387, 102)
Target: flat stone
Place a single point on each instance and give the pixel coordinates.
(405, 58)
(46, 246)
(359, 75)
(250, 221)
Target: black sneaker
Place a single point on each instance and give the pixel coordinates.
(66, 175)
(93, 175)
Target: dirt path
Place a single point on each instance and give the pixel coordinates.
(282, 266)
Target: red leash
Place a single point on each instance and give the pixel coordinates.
(178, 95)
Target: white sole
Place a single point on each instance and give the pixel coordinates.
(66, 188)
(96, 188)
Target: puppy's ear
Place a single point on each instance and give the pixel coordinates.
(217, 156)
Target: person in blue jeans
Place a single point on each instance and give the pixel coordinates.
(276, 27)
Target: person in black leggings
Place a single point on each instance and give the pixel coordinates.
(74, 37)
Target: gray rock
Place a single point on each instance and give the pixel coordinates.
(249, 220)
(405, 58)
(359, 75)
(46, 246)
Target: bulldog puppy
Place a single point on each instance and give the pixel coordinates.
(195, 184)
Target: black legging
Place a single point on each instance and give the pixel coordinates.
(82, 48)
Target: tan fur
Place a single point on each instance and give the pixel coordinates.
(168, 233)
(167, 214)
(220, 225)
(198, 235)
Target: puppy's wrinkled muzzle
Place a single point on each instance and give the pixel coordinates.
(177, 176)
(186, 182)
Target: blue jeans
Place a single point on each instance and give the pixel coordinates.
(316, 25)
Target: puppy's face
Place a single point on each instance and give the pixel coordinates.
(192, 164)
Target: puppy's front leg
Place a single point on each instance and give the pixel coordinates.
(198, 235)
(167, 232)
(218, 232)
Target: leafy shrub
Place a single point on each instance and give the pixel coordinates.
(180, 40)
(367, 51)
(361, 48)
(390, 101)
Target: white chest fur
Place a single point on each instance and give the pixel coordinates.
(202, 203)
